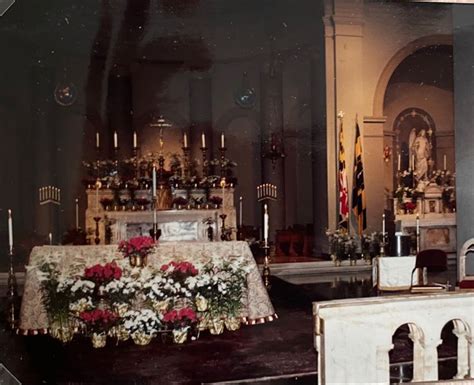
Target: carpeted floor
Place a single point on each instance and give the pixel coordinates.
(275, 353)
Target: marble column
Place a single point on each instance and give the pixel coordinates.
(119, 112)
(463, 35)
(272, 127)
(430, 359)
(463, 336)
(200, 114)
(43, 165)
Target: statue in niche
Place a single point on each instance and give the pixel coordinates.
(420, 149)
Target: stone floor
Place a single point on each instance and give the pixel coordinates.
(275, 353)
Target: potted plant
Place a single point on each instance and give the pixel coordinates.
(137, 249)
(142, 325)
(98, 323)
(179, 321)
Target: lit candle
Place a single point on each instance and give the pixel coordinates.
(223, 192)
(240, 210)
(383, 224)
(222, 141)
(135, 140)
(203, 140)
(50, 237)
(77, 213)
(97, 140)
(10, 231)
(115, 139)
(185, 141)
(399, 161)
(265, 224)
(153, 191)
(444, 162)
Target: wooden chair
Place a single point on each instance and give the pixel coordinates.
(432, 260)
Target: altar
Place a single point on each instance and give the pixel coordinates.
(188, 223)
(257, 307)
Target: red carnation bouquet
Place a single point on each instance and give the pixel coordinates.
(101, 274)
(137, 249)
(177, 319)
(98, 320)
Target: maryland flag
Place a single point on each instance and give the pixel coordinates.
(358, 189)
(343, 193)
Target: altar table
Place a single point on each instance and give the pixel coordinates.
(33, 317)
(394, 273)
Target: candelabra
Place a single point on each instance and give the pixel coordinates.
(97, 233)
(225, 236)
(205, 165)
(12, 293)
(222, 151)
(276, 150)
(266, 192)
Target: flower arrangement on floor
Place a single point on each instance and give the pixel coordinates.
(342, 245)
(116, 300)
(137, 250)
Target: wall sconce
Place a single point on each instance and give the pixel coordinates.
(275, 151)
(387, 153)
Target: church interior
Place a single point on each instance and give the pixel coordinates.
(217, 192)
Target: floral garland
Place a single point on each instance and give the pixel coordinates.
(117, 300)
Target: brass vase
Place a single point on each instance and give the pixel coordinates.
(99, 340)
(141, 338)
(216, 326)
(180, 335)
(232, 323)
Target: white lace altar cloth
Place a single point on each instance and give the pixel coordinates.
(394, 273)
(33, 317)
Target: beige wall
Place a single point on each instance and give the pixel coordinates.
(364, 44)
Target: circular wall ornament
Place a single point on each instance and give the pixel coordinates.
(245, 97)
(65, 94)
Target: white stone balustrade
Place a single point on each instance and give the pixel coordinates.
(353, 337)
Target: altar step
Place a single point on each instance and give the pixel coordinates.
(317, 268)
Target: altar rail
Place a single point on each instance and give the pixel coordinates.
(353, 337)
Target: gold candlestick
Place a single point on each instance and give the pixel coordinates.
(12, 293)
(97, 233)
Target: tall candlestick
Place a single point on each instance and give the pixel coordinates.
(417, 224)
(265, 224)
(77, 213)
(97, 140)
(135, 140)
(222, 141)
(444, 162)
(399, 161)
(383, 224)
(115, 139)
(50, 237)
(10, 231)
(153, 191)
(240, 211)
(185, 141)
(203, 140)
(223, 192)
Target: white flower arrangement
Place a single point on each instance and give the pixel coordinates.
(143, 321)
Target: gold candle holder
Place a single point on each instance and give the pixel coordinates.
(12, 294)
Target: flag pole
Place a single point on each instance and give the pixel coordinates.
(340, 118)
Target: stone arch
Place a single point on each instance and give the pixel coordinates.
(407, 333)
(462, 331)
(395, 61)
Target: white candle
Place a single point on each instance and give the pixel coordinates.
(383, 224)
(185, 141)
(222, 141)
(240, 210)
(10, 231)
(399, 161)
(50, 237)
(115, 139)
(154, 216)
(417, 224)
(77, 213)
(153, 191)
(203, 140)
(444, 162)
(97, 197)
(97, 140)
(135, 140)
(265, 224)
